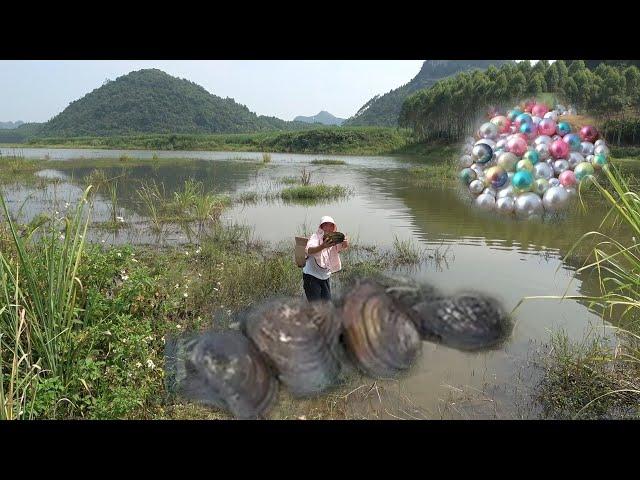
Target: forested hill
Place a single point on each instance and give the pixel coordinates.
(151, 101)
(384, 110)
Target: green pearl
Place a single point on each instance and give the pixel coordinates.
(599, 160)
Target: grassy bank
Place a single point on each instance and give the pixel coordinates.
(593, 379)
(344, 140)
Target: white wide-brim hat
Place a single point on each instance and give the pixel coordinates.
(327, 219)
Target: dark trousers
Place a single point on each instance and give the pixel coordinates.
(316, 289)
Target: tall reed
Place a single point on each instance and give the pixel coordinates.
(40, 285)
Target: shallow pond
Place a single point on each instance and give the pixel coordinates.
(506, 258)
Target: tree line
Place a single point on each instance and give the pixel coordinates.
(452, 107)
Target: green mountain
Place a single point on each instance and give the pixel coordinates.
(323, 117)
(151, 101)
(383, 110)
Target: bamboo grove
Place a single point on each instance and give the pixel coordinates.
(449, 109)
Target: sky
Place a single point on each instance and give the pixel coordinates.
(36, 90)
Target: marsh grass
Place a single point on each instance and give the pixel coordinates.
(328, 162)
(248, 197)
(16, 399)
(315, 192)
(151, 199)
(407, 251)
(305, 177)
(39, 283)
(441, 174)
(289, 180)
(113, 197)
(590, 379)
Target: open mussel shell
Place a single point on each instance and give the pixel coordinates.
(224, 369)
(300, 340)
(468, 321)
(378, 333)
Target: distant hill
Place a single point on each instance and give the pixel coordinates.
(20, 134)
(151, 101)
(323, 117)
(383, 110)
(10, 125)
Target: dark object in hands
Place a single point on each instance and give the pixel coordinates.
(333, 237)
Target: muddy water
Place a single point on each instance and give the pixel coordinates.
(506, 258)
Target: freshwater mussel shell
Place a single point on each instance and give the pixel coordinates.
(301, 342)
(378, 333)
(225, 370)
(467, 321)
(334, 237)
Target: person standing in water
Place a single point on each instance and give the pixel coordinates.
(323, 259)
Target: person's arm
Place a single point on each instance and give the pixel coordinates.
(314, 245)
(319, 248)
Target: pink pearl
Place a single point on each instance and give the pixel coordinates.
(567, 178)
(559, 149)
(539, 109)
(547, 127)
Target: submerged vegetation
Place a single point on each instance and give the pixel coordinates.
(328, 162)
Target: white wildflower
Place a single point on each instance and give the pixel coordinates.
(185, 294)
(150, 364)
(120, 219)
(119, 254)
(178, 325)
(138, 364)
(215, 289)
